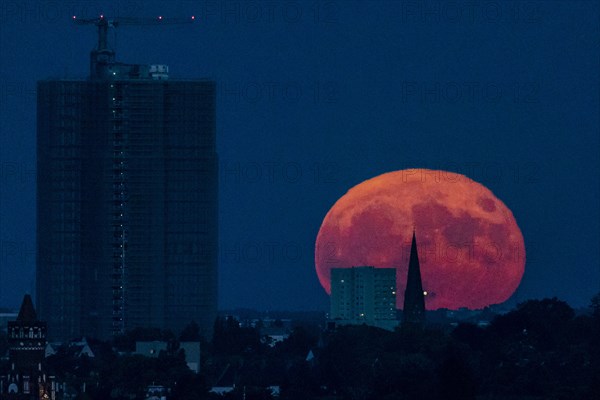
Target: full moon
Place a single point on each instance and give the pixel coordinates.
(471, 250)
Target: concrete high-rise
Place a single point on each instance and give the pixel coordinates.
(127, 182)
(364, 295)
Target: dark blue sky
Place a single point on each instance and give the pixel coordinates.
(315, 97)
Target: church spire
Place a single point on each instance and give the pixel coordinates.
(27, 312)
(414, 300)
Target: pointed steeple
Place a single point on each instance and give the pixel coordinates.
(414, 299)
(27, 312)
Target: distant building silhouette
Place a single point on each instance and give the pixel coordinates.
(364, 295)
(27, 378)
(127, 176)
(414, 298)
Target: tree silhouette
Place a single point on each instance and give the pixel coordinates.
(191, 333)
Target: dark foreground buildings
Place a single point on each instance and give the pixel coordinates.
(27, 378)
(127, 180)
(367, 295)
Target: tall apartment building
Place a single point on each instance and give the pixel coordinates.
(364, 295)
(127, 181)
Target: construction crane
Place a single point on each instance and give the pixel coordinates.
(103, 55)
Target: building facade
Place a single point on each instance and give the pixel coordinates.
(27, 378)
(364, 295)
(127, 182)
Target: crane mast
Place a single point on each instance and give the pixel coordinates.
(102, 58)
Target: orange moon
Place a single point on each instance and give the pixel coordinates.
(471, 250)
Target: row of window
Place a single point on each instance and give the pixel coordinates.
(31, 333)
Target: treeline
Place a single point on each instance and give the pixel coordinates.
(540, 350)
